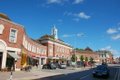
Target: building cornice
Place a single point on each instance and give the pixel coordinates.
(12, 22)
(54, 42)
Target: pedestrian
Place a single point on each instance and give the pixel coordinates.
(37, 64)
(84, 65)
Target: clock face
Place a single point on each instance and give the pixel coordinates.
(1, 28)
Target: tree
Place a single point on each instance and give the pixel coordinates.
(81, 58)
(79, 49)
(73, 58)
(86, 58)
(91, 60)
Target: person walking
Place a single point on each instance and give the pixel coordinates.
(37, 64)
(84, 65)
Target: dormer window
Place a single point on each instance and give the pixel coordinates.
(13, 35)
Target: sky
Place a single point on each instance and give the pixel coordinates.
(80, 23)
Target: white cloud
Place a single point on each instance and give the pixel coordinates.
(111, 31)
(106, 48)
(65, 36)
(77, 16)
(116, 37)
(82, 15)
(66, 13)
(80, 34)
(74, 35)
(53, 1)
(56, 1)
(114, 33)
(78, 1)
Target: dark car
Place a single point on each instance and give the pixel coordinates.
(49, 66)
(101, 71)
(105, 64)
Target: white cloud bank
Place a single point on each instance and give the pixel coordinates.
(74, 35)
(112, 31)
(63, 1)
(116, 37)
(77, 16)
(83, 15)
(55, 1)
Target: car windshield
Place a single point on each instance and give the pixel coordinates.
(101, 68)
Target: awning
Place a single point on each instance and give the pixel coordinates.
(55, 58)
(50, 57)
(33, 56)
(14, 55)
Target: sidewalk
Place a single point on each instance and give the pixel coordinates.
(23, 75)
(33, 74)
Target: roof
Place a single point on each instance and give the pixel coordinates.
(51, 38)
(4, 16)
(88, 49)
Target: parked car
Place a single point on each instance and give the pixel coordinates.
(56, 64)
(79, 64)
(101, 71)
(62, 66)
(49, 66)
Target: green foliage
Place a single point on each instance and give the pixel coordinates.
(81, 58)
(86, 58)
(91, 60)
(73, 58)
(79, 49)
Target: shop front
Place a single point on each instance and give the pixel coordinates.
(8, 57)
(11, 61)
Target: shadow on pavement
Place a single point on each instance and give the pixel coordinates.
(69, 76)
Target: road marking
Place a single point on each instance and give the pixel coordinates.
(117, 76)
(84, 76)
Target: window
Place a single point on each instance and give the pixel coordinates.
(1, 28)
(37, 50)
(13, 35)
(26, 43)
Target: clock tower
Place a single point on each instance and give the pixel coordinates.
(54, 32)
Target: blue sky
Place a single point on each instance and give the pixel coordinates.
(81, 23)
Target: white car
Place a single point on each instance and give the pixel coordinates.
(63, 66)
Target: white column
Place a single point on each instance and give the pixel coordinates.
(40, 63)
(45, 60)
(4, 58)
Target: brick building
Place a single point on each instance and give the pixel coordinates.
(16, 49)
(57, 50)
(105, 56)
(89, 53)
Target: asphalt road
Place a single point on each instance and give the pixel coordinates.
(83, 75)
